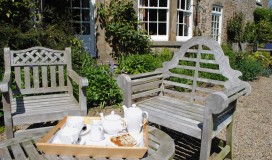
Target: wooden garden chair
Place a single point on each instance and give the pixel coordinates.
(180, 95)
(37, 87)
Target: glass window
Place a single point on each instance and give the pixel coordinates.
(154, 16)
(184, 19)
(216, 23)
(81, 16)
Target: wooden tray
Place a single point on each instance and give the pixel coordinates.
(90, 151)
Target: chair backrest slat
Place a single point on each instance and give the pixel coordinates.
(36, 77)
(53, 76)
(27, 77)
(44, 76)
(18, 80)
(61, 75)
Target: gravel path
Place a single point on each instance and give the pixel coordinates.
(253, 126)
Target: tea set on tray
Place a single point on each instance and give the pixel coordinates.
(110, 130)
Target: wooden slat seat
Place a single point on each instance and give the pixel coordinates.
(168, 112)
(39, 108)
(195, 93)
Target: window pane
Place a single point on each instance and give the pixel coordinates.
(86, 15)
(145, 13)
(177, 29)
(86, 28)
(185, 30)
(76, 27)
(153, 3)
(182, 4)
(163, 3)
(145, 3)
(162, 28)
(152, 28)
(75, 3)
(181, 17)
(181, 30)
(162, 14)
(85, 4)
(76, 14)
(188, 4)
(153, 15)
(178, 4)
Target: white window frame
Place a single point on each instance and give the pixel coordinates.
(140, 18)
(190, 31)
(219, 13)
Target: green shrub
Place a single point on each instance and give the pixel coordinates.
(262, 13)
(235, 28)
(263, 57)
(103, 89)
(134, 64)
(250, 69)
(250, 33)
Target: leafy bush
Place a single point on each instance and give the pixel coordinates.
(263, 57)
(264, 30)
(121, 24)
(235, 27)
(250, 69)
(134, 64)
(103, 89)
(251, 66)
(262, 13)
(250, 33)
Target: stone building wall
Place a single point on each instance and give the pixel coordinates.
(229, 8)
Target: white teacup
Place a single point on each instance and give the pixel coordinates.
(68, 135)
(75, 122)
(97, 132)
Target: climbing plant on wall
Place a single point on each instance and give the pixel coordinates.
(120, 21)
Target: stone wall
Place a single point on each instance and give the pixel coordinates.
(229, 8)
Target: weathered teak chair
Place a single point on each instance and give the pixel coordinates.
(181, 96)
(36, 89)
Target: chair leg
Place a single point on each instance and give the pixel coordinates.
(229, 139)
(206, 139)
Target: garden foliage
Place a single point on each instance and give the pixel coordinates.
(258, 31)
(134, 64)
(120, 21)
(21, 28)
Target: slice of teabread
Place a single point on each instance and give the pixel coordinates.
(124, 140)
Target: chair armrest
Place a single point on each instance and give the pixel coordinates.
(217, 102)
(4, 85)
(81, 81)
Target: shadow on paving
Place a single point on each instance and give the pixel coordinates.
(187, 147)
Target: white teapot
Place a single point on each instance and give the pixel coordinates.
(113, 123)
(134, 117)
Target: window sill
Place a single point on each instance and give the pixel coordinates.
(166, 44)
